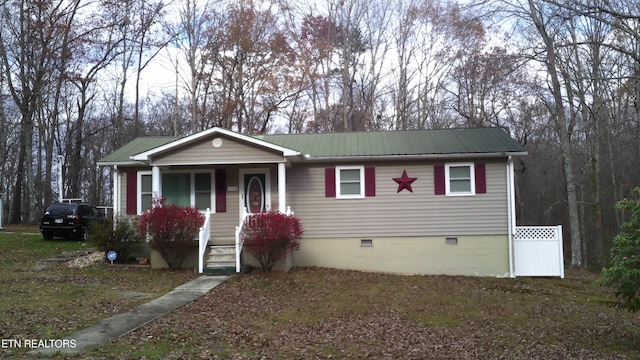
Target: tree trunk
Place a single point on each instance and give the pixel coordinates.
(16, 211)
(565, 137)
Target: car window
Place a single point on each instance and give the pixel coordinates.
(88, 211)
(60, 209)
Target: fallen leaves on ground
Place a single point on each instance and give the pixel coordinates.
(322, 313)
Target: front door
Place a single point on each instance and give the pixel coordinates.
(255, 192)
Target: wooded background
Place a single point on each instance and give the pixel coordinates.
(76, 80)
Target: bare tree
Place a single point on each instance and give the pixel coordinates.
(97, 46)
(189, 35)
(426, 56)
(31, 51)
(255, 69)
(543, 23)
(149, 42)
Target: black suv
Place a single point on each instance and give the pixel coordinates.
(70, 220)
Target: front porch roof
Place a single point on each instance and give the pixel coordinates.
(122, 156)
(146, 155)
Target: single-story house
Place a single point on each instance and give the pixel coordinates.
(413, 202)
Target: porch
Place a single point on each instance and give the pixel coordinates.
(223, 258)
(230, 194)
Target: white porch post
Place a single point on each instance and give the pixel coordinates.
(116, 191)
(282, 188)
(511, 215)
(60, 186)
(156, 184)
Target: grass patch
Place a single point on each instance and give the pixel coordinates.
(432, 320)
(19, 250)
(157, 350)
(58, 300)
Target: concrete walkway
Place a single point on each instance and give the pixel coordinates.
(119, 325)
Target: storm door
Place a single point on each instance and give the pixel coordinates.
(255, 193)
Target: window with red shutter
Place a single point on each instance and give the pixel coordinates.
(350, 182)
(455, 179)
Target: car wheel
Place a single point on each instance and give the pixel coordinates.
(47, 235)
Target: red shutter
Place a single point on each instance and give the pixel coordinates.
(369, 181)
(481, 178)
(439, 179)
(330, 182)
(132, 192)
(221, 190)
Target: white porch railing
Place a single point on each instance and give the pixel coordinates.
(203, 239)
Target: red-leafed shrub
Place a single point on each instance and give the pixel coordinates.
(268, 236)
(171, 230)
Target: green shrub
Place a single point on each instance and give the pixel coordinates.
(624, 270)
(123, 238)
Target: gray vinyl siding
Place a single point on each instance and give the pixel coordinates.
(389, 213)
(230, 152)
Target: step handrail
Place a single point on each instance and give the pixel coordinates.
(204, 235)
(240, 238)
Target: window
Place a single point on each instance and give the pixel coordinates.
(182, 189)
(176, 188)
(349, 182)
(455, 179)
(459, 179)
(202, 188)
(188, 189)
(145, 191)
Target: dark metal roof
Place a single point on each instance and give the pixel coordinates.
(467, 141)
(134, 147)
(398, 143)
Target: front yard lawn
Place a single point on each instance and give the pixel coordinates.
(58, 300)
(311, 313)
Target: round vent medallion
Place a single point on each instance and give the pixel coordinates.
(217, 142)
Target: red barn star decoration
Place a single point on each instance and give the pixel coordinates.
(404, 182)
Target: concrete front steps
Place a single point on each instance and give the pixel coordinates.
(222, 260)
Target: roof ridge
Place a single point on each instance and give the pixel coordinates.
(380, 131)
